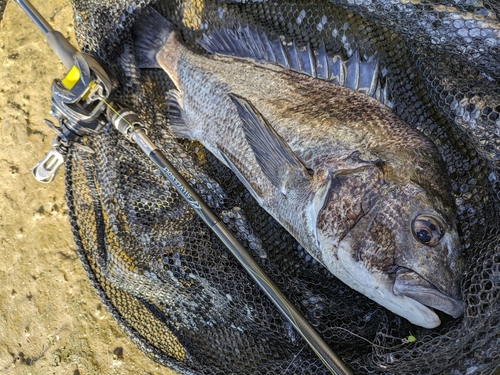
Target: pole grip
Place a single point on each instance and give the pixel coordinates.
(63, 49)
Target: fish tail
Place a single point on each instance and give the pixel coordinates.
(150, 33)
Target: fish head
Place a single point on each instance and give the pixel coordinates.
(404, 252)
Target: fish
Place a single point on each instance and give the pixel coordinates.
(366, 194)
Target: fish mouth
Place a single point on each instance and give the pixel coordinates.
(412, 285)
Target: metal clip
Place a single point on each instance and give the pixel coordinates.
(47, 168)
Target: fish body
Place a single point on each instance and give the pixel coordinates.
(363, 192)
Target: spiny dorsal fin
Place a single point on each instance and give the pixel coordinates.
(245, 42)
(272, 153)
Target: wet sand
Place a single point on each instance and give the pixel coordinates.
(51, 321)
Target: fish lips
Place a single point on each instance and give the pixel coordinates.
(412, 285)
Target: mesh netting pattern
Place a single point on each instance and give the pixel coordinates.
(173, 286)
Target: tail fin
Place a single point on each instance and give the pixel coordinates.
(151, 31)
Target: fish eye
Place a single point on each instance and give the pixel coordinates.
(427, 230)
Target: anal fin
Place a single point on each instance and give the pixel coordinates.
(176, 116)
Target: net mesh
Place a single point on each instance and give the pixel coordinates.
(172, 285)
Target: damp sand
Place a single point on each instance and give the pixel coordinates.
(51, 321)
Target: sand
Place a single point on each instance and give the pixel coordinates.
(51, 321)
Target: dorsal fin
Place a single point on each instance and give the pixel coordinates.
(245, 42)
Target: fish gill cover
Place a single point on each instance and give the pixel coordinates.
(173, 286)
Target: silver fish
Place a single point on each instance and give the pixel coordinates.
(366, 194)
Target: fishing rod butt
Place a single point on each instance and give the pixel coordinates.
(62, 48)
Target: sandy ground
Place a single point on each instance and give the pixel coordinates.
(51, 321)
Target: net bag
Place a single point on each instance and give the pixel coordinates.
(176, 290)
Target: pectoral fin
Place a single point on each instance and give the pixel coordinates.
(272, 153)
